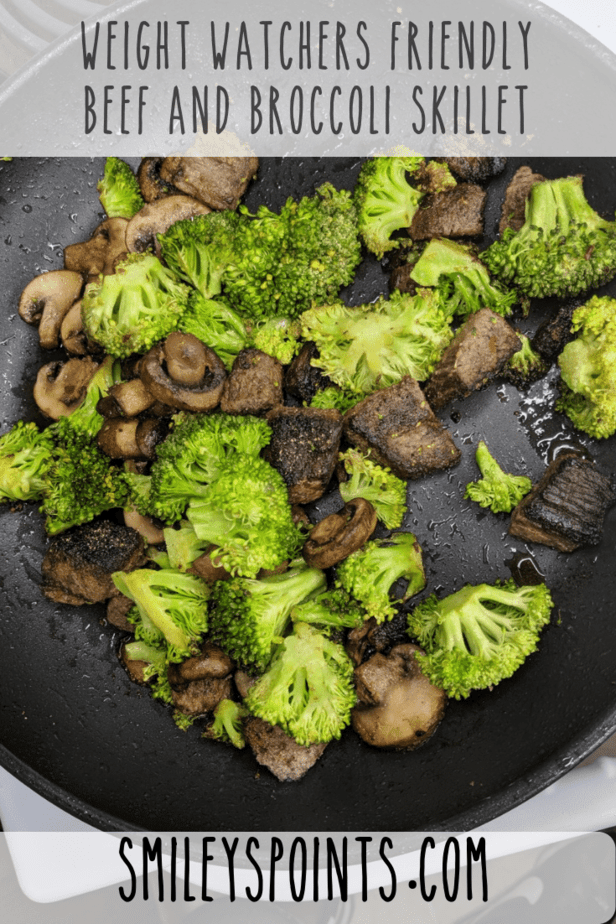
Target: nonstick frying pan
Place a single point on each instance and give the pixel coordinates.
(76, 729)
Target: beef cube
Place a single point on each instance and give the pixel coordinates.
(567, 507)
(117, 608)
(218, 182)
(210, 662)
(280, 753)
(254, 385)
(400, 279)
(474, 169)
(457, 212)
(201, 696)
(514, 205)
(304, 449)
(400, 430)
(78, 565)
(302, 379)
(476, 354)
(555, 333)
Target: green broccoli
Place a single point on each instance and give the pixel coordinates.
(198, 250)
(564, 247)
(138, 305)
(334, 397)
(373, 346)
(155, 672)
(588, 369)
(480, 635)
(183, 546)
(25, 459)
(526, 366)
(81, 482)
(227, 724)
(172, 602)
(278, 337)
(119, 190)
(385, 200)
(370, 573)
(497, 490)
(213, 322)
(376, 484)
(246, 514)
(330, 610)
(462, 281)
(248, 617)
(308, 688)
(192, 456)
(86, 418)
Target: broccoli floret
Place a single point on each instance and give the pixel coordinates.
(385, 200)
(86, 418)
(373, 346)
(119, 190)
(370, 573)
(334, 397)
(322, 250)
(588, 369)
(248, 617)
(135, 307)
(174, 603)
(462, 281)
(246, 514)
(563, 248)
(155, 672)
(213, 322)
(198, 250)
(526, 366)
(25, 459)
(308, 688)
(183, 546)
(497, 490)
(228, 723)
(331, 610)
(81, 482)
(480, 635)
(376, 484)
(435, 177)
(278, 337)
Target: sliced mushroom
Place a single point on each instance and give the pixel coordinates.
(98, 254)
(145, 526)
(156, 217)
(117, 438)
(336, 536)
(151, 183)
(207, 568)
(149, 434)
(131, 398)
(202, 396)
(73, 336)
(398, 706)
(46, 301)
(61, 387)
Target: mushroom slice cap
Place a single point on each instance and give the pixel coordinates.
(203, 396)
(46, 300)
(336, 536)
(61, 387)
(117, 438)
(99, 253)
(72, 334)
(156, 217)
(151, 183)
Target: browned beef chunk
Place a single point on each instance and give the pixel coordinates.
(219, 182)
(134, 669)
(210, 662)
(199, 683)
(399, 428)
(302, 380)
(400, 279)
(474, 169)
(567, 507)
(201, 696)
(243, 682)
(78, 565)
(254, 385)
(457, 212)
(117, 608)
(304, 449)
(476, 354)
(514, 204)
(554, 334)
(281, 754)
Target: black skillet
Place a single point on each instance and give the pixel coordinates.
(75, 728)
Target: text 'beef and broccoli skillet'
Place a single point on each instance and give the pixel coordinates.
(323, 451)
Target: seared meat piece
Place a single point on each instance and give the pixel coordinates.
(567, 507)
(476, 354)
(210, 662)
(243, 682)
(553, 335)
(516, 194)
(304, 449)
(254, 385)
(400, 278)
(219, 182)
(302, 380)
(199, 683)
(474, 169)
(399, 428)
(457, 212)
(281, 754)
(117, 608)
(201, 696)
(78, 565)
